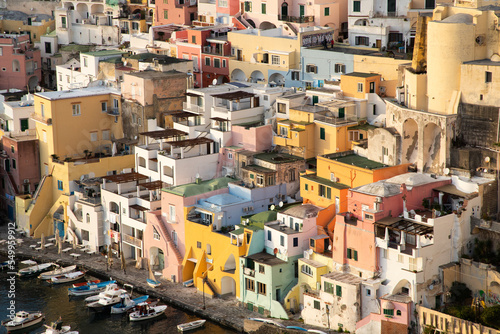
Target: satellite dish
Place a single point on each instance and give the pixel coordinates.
(446, 171)
(38, 88)
(272, 207)
(281, 204)
(487, 159)
(214, 82)
(310, 251)
(330, 247)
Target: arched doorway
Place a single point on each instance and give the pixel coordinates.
(257, 76)
(403, 287)
(228, 286)
(156, 258)
(410, 141)
(238, 75)
(267, 25)
(277, 79)
(252, 23)
(432, 147)
(284, 11)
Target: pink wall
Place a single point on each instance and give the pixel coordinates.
(404, 318)
(254, 139)
(24, 55)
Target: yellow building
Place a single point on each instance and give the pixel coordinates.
(358, 84)
(35, 25)
(75, 130)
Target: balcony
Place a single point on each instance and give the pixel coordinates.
(192, 108)
(132, 240)
(113, 112)
(249, 272)
(298, 138)
(38, 118)
(296, 19)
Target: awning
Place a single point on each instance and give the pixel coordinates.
(452, 190)
(138, 207)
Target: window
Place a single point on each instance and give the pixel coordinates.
(368, 292)
(291, 175)
(165, 2)
(488, 76)
(85, 235)
(270, 180)
(224, 63)
(388, 313)
(317, 305)
(368, 216)
(248, 6)
(328, 287)
(44, 136)
(261, 288)
(104, 106)
(262, 269)
(295, 242)
(295, 75)
(13, 163)
(352, 254)
(88, 218)
(63, 21)
(156, 235)
(193, 39)
(85, 62)
(325, 191)
(76, 110)
(401, 258)
(311, 68)
(275, 60)
(269, 235)
(93, 136)
(105, 134)
(12, 149)
(249, 284)
(263, 7)
(67, 79)
(356, 6)
(216, 62)
(1, 50)
(339, 68)
(174, 238)
(327, 11)
(198, 244)
(283, 131)
(306, 270)
(223, 3)
(306, 187)
(260, 179)
(207, 61)
(165, 14)
(171, 211)
(135, 26)
(360, 87)
(398, 313)
(59, 185)
(361, 40)
(282, 240)
(322, 133)
(338, 291)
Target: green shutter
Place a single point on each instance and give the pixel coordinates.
(339, 291)
(322, 134)
(327, 11)
(263, 8)
(355, 255)
(328, 192)
(306, 186)
(356, 6)
(348, 253)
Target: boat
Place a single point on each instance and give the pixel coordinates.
(127, 304)
(89, 289)
(297, 328)
(317, 331)
(107, 299)
(268, 321)
(69, 277)
(22, 320)
(147, 311)
(34, 270)
(4, 265)
(108, 288)
(152, 281)
(191, 325)
(56, 327)
(75, 285)
(59, 271)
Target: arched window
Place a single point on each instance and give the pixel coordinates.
(88, 218)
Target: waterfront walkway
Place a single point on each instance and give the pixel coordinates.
(225, 311)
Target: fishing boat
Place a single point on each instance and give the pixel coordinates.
(107, 299)
(59, 271)
(35, 269)
(127, 304)
(69, 277)
(152, 281)
(89, 289)
(56, 327)
(75, 285)
(22, 320)
(147, 311)
(191, 325)
(109, 287)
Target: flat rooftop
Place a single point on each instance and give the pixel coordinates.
(265, 258)
(277, 158)
(326, 182)
(104, 53)
(358, 161)
(155, 74)
(344, 278)
(82, 92)
(194, 189)
(361, 74)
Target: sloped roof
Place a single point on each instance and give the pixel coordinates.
(303, 211)
(380, 188)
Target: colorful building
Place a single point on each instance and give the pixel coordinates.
(36, 25)
(182, 12)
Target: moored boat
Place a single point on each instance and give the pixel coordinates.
(56, 327)
(147, 311)
(34, 270)
(69, 277)
(75, 285)
(22, 320)
(89, 289)
(106, 299)
(152, 281)
(191, 325)
(127, 304)
(59, 271)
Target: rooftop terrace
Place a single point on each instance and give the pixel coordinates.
(356, 160)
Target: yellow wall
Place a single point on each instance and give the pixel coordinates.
(335, 138)
(349, 85)
(34, 31)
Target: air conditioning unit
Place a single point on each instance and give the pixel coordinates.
(378, 199)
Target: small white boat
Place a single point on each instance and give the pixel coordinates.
(191, 325)
(22, 320)
(57, 272)
(89, 289)
(34, 270)
(106, 299)
(152, 281)
(127, 303)
(147, 311)
(76, 285)
(57, 328)
(69, 277)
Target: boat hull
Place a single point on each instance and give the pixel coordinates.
(118, 309)
(137, 316)
(10, 326)
(66, 278)
(153, 284)
(191, 325)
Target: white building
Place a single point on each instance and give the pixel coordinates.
(15, 116)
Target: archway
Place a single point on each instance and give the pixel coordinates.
(114, 208)
(432, 147)
(403, 287)
(97, 9)
(82, 10)
(277, 78)
(156, 258)
(257, 76)
(16, 66)
(142, 162)
(238, 75)
(267, 25)
(284, 10)
(361, 22)
(228, 286)
(222, 79)
(410, 141)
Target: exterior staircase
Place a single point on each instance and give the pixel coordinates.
(167, 237)
(292, 28)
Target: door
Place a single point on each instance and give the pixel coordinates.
(278, 294)
(242, 9)
(10, 212)
(24, 124)
(284, 11)
(430, 4)
(301, 10)
(341, 112)
(315, 99)
(372, 87)
(7, 165)
(378, 43)
(391, 6)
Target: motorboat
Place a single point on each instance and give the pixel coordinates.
(107, 299)
(59, 271)
(35, 269)
(75, 285)
(56, 327)
(108, 288)
(191, 325)
(23, 319)
(89, 289)
(127, 304)
(69, 277)
(147, 311)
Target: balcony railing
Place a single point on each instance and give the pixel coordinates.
(296, 19)
(192, 107)
(132, 240)
(249, 272)
(36, 117)
(113, 112)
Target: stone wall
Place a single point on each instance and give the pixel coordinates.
(478, 125)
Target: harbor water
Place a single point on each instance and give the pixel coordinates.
(31, 294)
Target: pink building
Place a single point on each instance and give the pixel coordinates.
(19, 170)
(20, 62)
(354, 235)
(164, 244)
(175, 11)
